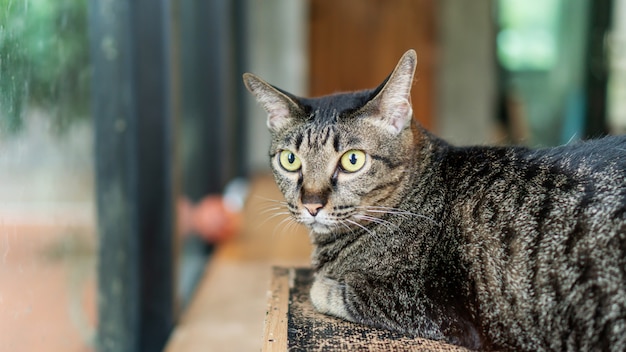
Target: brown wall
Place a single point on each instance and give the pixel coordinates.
(355, 44)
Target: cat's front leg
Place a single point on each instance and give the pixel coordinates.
(328, 297)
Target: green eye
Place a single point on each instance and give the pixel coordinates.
(289, 161)
(352, 160)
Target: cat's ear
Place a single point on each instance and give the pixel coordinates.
(278, 105)
(393, 102)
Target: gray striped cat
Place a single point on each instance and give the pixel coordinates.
(492, 248)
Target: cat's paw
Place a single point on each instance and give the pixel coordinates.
(327, 296)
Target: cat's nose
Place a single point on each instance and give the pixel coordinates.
(313, 208)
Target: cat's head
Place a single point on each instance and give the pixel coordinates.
(341, 160)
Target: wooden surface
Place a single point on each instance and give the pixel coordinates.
(276, 318)
(228, 309)
(355, 44)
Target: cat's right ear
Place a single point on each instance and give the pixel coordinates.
(278, 105)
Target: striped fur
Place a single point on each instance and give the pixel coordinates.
(491, 248)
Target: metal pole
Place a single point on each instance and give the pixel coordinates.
(133, 122)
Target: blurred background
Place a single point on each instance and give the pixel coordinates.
(129, 146)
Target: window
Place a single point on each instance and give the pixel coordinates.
(47, 215)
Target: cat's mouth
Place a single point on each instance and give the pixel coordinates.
(325, 223)
(344, 218)
(320, 228)
(357, 218)
(320, 223)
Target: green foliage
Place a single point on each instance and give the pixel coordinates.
(44, 60)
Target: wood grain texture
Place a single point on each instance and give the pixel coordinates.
(355, 44)
(275, 333)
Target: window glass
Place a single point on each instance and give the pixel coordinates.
(47, 215)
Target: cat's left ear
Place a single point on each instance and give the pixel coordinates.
(393, 102)
(279, 106)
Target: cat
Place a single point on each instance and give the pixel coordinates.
(491, 248)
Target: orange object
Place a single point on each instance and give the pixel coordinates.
(210, 219)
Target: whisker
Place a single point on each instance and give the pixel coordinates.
(265, 211)
(268, 199)
(379, 207)
(292, 227)
(395, 211)
(343, 223)
(388, 225)
(274, 205)
(277, 214)
(368, 231)
(280, 227)
(358, 225)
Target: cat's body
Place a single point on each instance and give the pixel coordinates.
(486, 247)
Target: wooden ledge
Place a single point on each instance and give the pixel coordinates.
(228, 307)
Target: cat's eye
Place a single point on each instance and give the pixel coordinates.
(352, 160)
(289, 161)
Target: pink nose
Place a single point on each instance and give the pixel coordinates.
(313, 208)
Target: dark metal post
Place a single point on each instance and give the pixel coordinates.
(240, 28)
(133, 120)
(211, 77)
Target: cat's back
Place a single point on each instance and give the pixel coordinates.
(596, 165)
(546, 241)
(596, 169)
(577, 189)
(590, 157)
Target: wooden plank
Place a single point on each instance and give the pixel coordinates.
(275, 335)
(227, 311)
(228, 308)
(355, 44)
